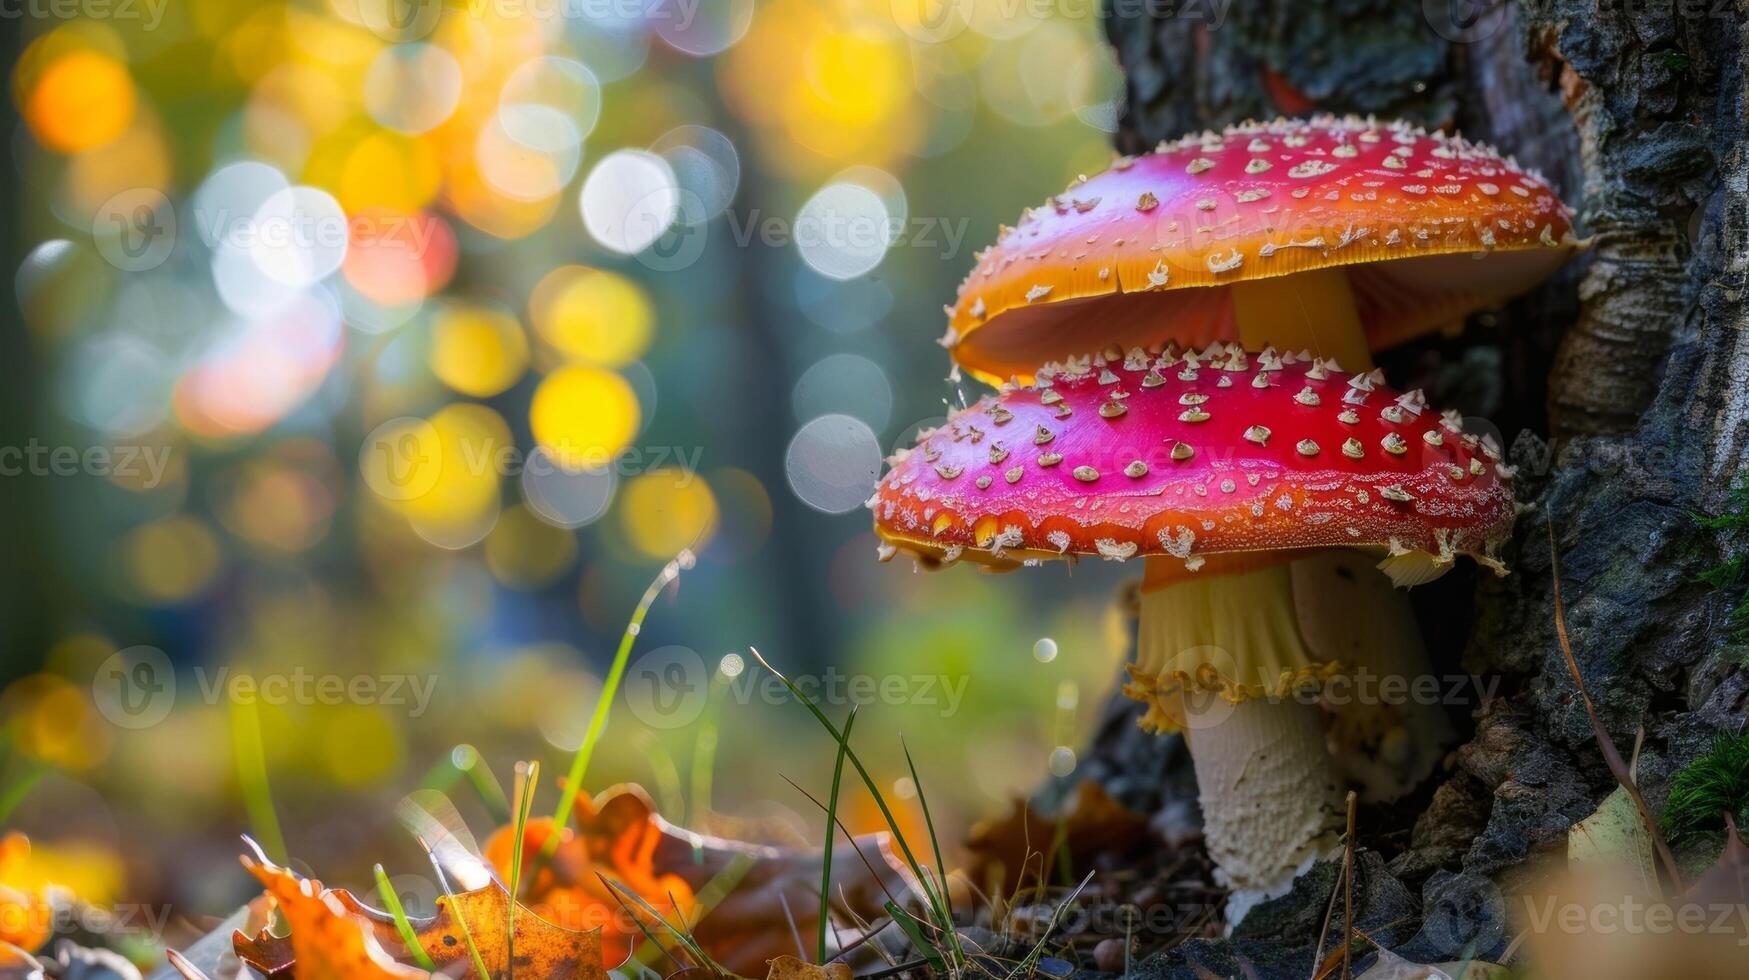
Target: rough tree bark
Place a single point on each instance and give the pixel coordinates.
(1622, 385)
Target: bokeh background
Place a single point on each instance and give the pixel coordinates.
(406, 341)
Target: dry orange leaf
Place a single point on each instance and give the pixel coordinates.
(570, 922)
(334, 935)
(16, 964)
(567, 891)
(327, 940)
(544, 950)
(26, 918)
(621, 835)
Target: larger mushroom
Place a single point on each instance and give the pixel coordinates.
(1227, 474)
(1337, 236)
(1332, 236)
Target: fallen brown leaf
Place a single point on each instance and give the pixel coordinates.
(1016, 846)
(791, 968)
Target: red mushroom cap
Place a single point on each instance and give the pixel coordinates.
(1195, 456)
(1408, 213)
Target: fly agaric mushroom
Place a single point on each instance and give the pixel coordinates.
(1239, 479)
(1337, 236)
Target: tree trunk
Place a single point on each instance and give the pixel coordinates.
(1622, 385)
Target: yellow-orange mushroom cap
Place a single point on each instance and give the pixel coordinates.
(1428, 228)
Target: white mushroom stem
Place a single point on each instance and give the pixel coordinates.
(1270, 802)
(1311, 311)
(1228, 653)
(1387, 729)
(1228, 638)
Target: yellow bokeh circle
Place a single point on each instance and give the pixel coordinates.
(442, 473)
(171, 560)
(584, 416)
(388, 170)
(668, 509)
(477, 350)
(592, 315)
(82, 100)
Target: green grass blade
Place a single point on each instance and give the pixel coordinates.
(935, 845)
(872, 873)
(832, 834)
(409, 938)
(20, 790)
(914, 932)
(938, 906)
(460, 921)
(722, 883)
(715, 890)
(928, 823)
(683, 935)
(527, 778)
(609, 689)
(639, 955)
(485, 784)
(1060, 848)
(663, 771)
(462, 762)
(251, 760)
(1028, 964)
(704, 748)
